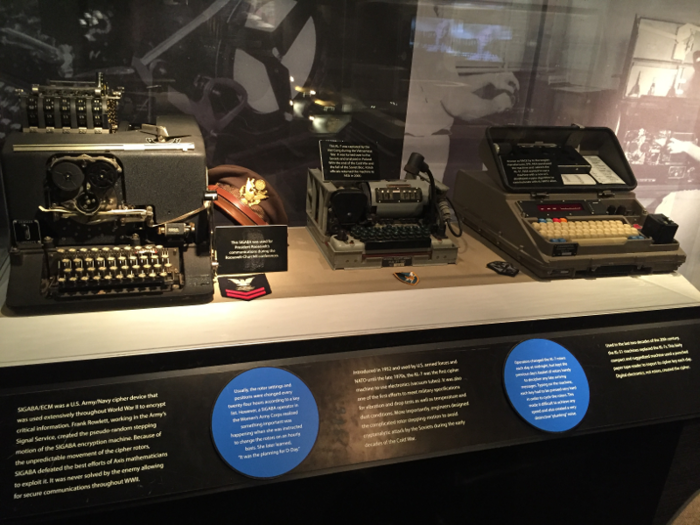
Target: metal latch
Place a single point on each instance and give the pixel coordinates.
(160, 132)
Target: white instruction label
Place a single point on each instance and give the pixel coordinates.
(577, 178)
(601, 172)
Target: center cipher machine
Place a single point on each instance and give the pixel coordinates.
(558, 200)
(382, 223)
(102, 210)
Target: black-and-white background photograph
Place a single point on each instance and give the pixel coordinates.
(267, 79)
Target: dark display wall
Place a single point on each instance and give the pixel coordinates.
(545, 482)
(133, 439)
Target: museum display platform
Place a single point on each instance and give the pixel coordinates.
(311, 301)
(409, 387)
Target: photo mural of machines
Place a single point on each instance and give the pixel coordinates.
(264, 79)
(653, 135)
(215, 60)
(660, 106)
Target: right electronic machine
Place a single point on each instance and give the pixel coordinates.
(559, 201)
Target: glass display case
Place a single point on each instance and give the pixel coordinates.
(265, 81)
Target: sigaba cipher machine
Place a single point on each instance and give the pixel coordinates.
(558, 200)
(102, 211)
(381, 223)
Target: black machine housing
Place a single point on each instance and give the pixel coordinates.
(114, 218)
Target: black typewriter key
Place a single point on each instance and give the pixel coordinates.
(67, 176)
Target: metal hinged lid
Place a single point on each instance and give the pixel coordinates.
(546, 160)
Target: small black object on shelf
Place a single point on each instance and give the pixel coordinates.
(503, 268)
(660, 228)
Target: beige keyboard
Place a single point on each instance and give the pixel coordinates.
(591, 232)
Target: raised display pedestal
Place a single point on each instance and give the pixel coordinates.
(311, 301)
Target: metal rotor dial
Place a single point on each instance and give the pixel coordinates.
(67, 176)
(102, 175)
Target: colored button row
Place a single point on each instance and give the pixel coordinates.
(552, 220)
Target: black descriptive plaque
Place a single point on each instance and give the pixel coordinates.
(397, 261)
(539, 172)
(543, 167)
(238, 425)
(251, 249)
(347, 161)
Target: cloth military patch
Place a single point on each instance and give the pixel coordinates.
(407, 278)
(246, 287)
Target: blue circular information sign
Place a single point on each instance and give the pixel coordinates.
(546, 385)
(265, 422)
